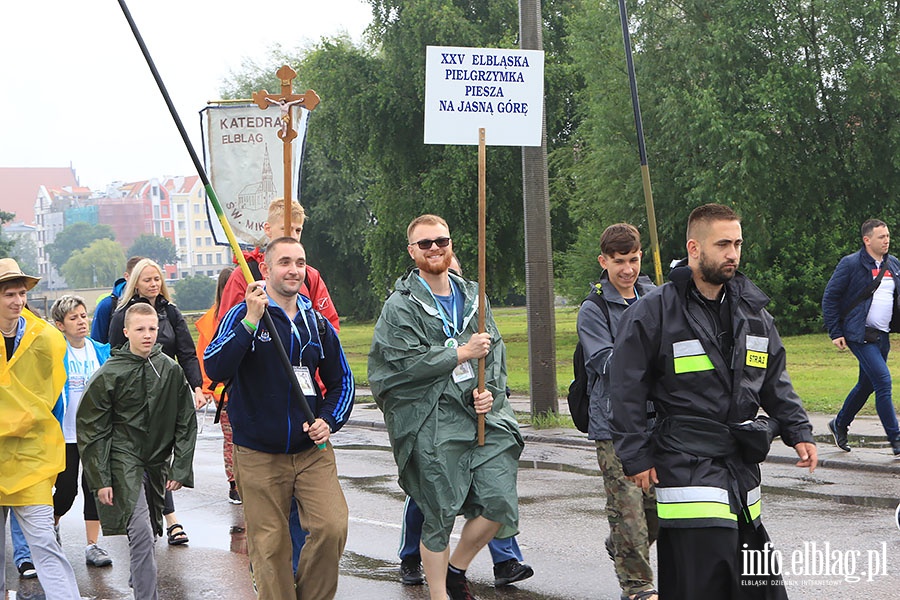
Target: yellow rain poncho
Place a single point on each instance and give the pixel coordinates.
(32, 448)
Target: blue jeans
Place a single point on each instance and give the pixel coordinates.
(874, 375)
(21, 552)
(501, 550)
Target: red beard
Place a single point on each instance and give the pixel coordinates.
(434, 268)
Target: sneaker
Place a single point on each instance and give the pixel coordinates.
(511, 571)
(411, 571)
(27, 570)
(95, 556)
(895, 446)
(458, 586)
(840, 435)
(233, 496)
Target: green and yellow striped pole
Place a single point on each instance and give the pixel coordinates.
(211, 194)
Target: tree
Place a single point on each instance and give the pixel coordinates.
(6, 245)
(787, 113)
(77, 236)
(25, 251)
(159, 249)
(97, 264)
(336, 168)
(367, 172)
(195, 293)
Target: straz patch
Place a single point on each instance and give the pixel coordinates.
(757, 351)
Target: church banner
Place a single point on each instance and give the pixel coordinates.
(244, 159)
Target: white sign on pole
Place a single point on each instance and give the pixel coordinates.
(499, 89)
(244, 159)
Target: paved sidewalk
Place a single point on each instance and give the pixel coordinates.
(871, 450)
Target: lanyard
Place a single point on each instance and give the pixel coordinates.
(294, 329)
(451, 329)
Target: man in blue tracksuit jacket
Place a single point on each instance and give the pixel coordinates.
(107, 306)
(861, 321)
(275, 453)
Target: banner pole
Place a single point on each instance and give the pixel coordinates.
(642, 150)
(482, 235)
(232, 241)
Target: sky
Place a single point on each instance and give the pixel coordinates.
(76, 88)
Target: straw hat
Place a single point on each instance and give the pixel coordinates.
(9, 269)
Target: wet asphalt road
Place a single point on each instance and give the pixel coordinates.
(563, 526)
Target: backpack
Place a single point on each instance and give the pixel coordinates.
(579, 396)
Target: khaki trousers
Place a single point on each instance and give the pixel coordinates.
(267, 483)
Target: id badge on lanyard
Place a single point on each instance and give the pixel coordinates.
(305, 381)
(463, 372)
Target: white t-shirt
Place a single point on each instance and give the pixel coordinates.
(80, 365)
(882, 307)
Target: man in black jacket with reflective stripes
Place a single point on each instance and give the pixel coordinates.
(705, 351)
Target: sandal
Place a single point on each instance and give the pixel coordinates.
(176, 538)
(650, 594)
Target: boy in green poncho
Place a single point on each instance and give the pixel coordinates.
(422, 369)
(136, 434)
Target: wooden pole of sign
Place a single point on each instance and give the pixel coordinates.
(482, 225)
(286, 100)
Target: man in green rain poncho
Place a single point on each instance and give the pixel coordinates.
(422, 370)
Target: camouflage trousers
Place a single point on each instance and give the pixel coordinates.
(633, 524)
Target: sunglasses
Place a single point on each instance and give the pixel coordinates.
(442, 242)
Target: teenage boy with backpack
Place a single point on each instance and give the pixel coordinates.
(631, 511)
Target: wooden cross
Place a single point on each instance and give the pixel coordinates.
(286, 100)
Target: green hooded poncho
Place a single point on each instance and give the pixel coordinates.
(136, 415)
(430, 418)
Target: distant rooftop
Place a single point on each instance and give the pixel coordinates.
(19, 187)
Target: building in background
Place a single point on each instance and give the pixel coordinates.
(19, 188)
(50, 207)
(135, 209)
(46, 200)
(198, 253)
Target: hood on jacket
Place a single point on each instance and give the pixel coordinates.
(118, 287)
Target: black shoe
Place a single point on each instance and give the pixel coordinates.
(840, 435)
(895, 446)
(233, 496)
(411, 572)
(27, 570)
(458, 586)
(511, 571)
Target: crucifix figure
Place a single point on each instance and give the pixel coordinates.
(286, 100)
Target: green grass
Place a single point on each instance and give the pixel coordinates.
(821, 374)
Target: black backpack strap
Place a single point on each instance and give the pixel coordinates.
(596, 296)
(321, 323)
(868, 290)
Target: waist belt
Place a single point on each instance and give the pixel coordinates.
(746, 442)
(695, 435)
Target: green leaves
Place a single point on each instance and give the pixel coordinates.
(94, 266)
(76, 236)
(159, 249)
(790, 113)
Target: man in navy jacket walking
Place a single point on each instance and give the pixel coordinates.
(859, 317)
(275, 454)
